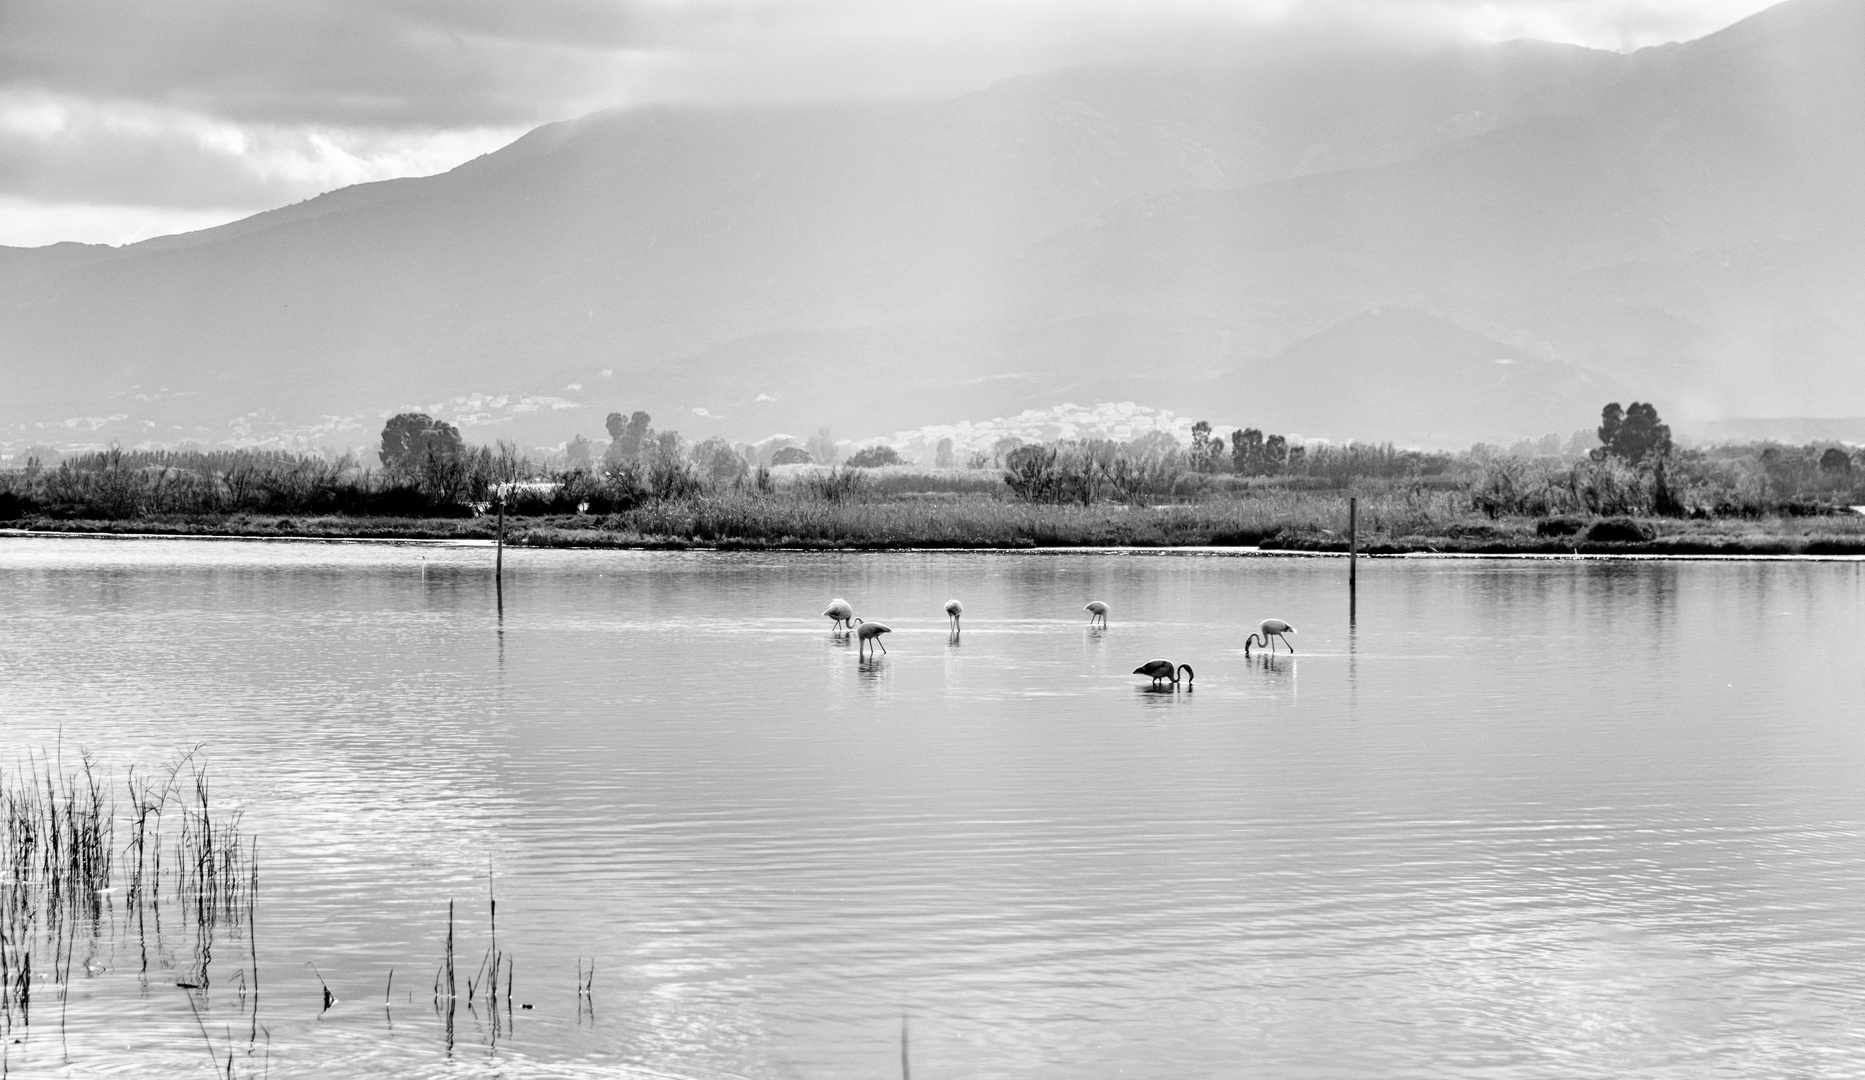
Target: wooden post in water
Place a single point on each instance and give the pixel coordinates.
(1353, 561)
(1353, 541)
(498, 559)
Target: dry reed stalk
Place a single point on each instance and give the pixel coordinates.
(58, 860)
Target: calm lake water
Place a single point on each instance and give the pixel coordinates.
(1515, 819)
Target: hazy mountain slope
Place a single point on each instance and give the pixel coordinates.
(1697, 236)
(23, 266)
(1107, 233)
(628, 241)
(1408, 376)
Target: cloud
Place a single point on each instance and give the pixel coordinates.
(1621, 25)
(447, 64)
(198, 108)
(63, 148)
(342, 62)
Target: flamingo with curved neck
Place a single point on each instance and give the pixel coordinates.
(840, 611)
(1266, 636)
(1162, 671)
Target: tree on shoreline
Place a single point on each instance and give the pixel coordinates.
(873, 457)
(579, 453)
(718, 462)
(627, 435)
(412, 442)
(1633, 434)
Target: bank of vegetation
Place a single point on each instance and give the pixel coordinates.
(1632, 491)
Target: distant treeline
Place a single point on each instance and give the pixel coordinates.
(425, 469)
(1725, 481)
(114, 484)
(1155, 466)
(1637, 470)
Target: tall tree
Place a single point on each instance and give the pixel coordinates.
(1634, 434)
(578, 453)
(411, 440)
(718, 462)
(1611, 418)
(627, 434)
(1208, 454)
(1275, 450)
(1246, 451)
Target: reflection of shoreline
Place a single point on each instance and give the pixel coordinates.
(603, 541)
(54, 534)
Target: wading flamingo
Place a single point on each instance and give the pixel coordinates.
(1097, 612)
(1158, 670)
(867, 633)
(1270, 630)
(841, 612)
(954, 609)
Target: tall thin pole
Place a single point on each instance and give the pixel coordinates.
(1353, 541)
(498, 564)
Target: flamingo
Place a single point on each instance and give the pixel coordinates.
(866, 632)
(1162, 669)
(1097, 612)
(841, 612)
(954, 609)
(1271, 629)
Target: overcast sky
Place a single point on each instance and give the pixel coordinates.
(120, 121)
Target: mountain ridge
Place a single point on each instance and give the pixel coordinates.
(1138, 230)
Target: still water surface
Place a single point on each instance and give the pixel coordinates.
(1514, 819)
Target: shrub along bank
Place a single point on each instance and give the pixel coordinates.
(1634, 491)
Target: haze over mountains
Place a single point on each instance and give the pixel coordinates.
(1377, 242)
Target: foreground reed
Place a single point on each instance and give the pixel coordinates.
(163, 860)
(185, 858)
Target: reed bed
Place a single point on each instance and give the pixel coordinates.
(491, 984)
(1063, 497)
(160, 858)
(185, 858)
(1266, 515)
(1392, 519)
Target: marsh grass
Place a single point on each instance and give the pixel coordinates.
(749, 519)
(185, 859)
(55, 866)
(489, 987)
(1512, 510)
(161, 864)
(1394, 516)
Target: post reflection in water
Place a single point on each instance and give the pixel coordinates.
(1540, 835)
(1353, 648)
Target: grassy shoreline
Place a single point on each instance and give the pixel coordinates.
(1140, 495)
(1313, 527)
